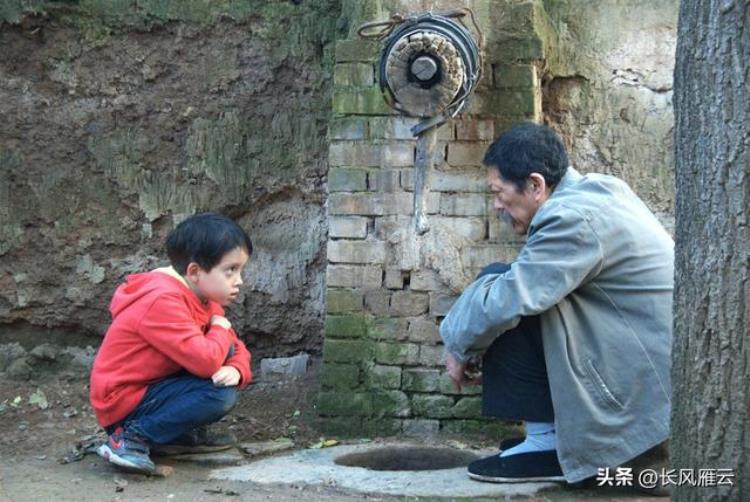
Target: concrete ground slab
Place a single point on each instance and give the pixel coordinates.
(316, 467)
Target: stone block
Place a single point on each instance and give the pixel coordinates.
(472, 228)
(351, 128)
(344, 300)
(473, 129)
(515, 76)
(339, 376)
(388, 328)
(420, 380)
(370, 204)
(346, 326)
(380, 427)
(441, 303)
(519, 49)
(424, 331)
(345, 251)
(474, 180)
(466, 153)
(392, 127)
(294, 366)
(394, 278)
(447, 387)
(360, 101)
(463, 205)
(339, 403)
(396, 353)
(392, 228)
(347, 180)
(341, 426)
(347, 227)
(383, 377)
(359, 154)
(432, 355)
(431, 406)
(345, 351)
(353, 74)
(378, 301)
(420, 428)
(357, 50)
(408, 303)
(485, 428)
(354, 276)
(390, 403)
(468, 407)
(384, 180)
(482, 255)
(426, 279)
(513, 102)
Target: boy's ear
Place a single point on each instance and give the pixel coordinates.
(192, 270)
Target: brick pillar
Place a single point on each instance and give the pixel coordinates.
(383, 367)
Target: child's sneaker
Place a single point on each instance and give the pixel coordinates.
(127, 451)
(198, 440)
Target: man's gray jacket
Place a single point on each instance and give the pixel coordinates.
(598, 267)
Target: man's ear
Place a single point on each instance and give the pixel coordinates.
(538, 186)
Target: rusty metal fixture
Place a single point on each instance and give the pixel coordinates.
(429, 63)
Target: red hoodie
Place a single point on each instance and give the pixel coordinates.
(159, 327)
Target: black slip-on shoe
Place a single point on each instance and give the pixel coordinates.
(518, 468)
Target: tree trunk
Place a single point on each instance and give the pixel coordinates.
(711, 352)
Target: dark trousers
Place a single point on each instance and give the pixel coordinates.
(514, 374)
(176, 405)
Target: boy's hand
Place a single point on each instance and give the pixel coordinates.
(227, 376)
(221, 321)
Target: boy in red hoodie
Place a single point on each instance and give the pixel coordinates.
(170, 363)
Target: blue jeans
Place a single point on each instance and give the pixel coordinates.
(514, 373)
(175, 406)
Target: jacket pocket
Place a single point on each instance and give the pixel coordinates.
(601, 388)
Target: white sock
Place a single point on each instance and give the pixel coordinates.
(540, 436)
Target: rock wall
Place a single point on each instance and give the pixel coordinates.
(121, 118)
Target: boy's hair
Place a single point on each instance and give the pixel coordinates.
(528, 148)
(204, 239)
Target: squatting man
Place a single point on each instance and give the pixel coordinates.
(575, 334)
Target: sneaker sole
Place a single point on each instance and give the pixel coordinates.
(107, 454)
(539, 479)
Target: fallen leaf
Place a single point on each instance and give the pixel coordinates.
(16, 402)
(38, 398)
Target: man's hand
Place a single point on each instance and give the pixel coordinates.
(227, 376)
(456, 371)
(221, 321)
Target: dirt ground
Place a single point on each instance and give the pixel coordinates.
(39, 430)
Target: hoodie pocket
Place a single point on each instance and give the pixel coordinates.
(601, 388)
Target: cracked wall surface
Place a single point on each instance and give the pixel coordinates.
(608, 90)
(121, 118)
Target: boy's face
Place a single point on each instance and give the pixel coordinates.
(220, 284)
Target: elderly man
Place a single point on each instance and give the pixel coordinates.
(576, 332)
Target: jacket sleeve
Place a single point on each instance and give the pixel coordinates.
(562, 252)
(241, 360)
(170, 328)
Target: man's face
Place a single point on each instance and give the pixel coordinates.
(222, 283)
(514, 207)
